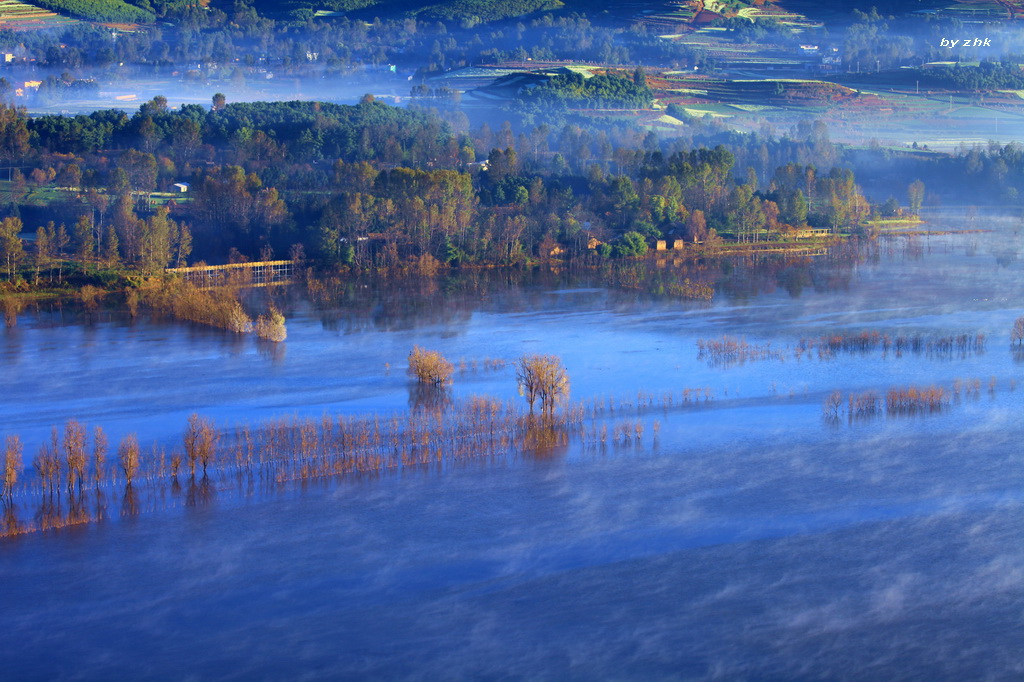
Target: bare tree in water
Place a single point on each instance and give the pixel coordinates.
(74, 453)
(542, 377)
(200, 441)
(1017, 333)
(128, 453)
(12, 464)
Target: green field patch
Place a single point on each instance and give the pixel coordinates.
(31, 196)
(780, 80)
(893, 222)
(715, 111)
(979, 113)
(668, 120)
(779, 92)
(752, 107)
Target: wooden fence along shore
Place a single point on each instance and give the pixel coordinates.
(256, 273)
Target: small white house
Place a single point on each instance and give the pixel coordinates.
(181, 187)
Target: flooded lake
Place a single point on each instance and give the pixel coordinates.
(743, 535)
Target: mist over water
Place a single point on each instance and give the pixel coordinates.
(748, 539)
(148, 375)
(753, 560)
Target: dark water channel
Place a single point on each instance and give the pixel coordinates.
(750, 538)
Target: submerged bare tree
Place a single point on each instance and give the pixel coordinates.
(99, 454)
(542, 377)
(128, 453)
(200, 443)
(74, 453)
(47, 463)
(1017, 333)
(12, 464)
(833, 402)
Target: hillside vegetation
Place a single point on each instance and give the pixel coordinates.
(99, 10)
(486, 10)
(457, 10)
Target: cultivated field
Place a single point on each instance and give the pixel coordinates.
(20, 16)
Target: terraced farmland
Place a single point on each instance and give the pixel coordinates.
(967, 10)
(976, 10)
(776, 13)
(21, 16)
(783, 91)
(669, 17)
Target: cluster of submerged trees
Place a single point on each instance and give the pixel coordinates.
(906, 400)
(299, 448)
(70, 458)
(291, 449)
(733, 351)
(540, 377)
(294, 448)
(214, 306)
(276, 451)
(867, 341)
(730, 350)
(217, 306)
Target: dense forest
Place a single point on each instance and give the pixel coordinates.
(599, 91)
(374, 186)
(987, 75)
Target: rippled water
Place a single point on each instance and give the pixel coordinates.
(750, 539)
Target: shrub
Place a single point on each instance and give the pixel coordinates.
(90, 295)
(271, 326)
(429, 367)
(633, 245)
(214, 307)
(237, 320)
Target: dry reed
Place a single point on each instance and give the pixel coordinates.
(216, 307)
(729, 351)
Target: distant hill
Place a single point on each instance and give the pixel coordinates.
(99, 10)
(962, 9)
(451, 10)
(273, 9)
